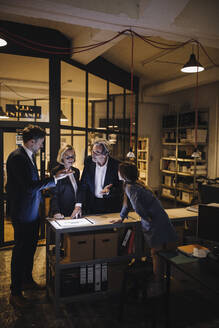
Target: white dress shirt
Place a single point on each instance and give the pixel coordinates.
(73, 182)
(100, 173)
(29, 153)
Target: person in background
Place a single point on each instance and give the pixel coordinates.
(158, 231)
(24, 195)
(100, 189)
(64, 195)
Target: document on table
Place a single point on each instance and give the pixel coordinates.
(193, 208)
(213, 204)
(74, 222)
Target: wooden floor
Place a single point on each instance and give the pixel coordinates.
(190, 306)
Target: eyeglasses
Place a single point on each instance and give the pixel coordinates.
(69, 157)
(98, 154)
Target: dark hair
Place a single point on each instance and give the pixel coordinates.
(33, 132)
(128, 171)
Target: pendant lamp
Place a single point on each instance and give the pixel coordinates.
(130, 154)
(192, 66)
(3, 42)
(63, 118)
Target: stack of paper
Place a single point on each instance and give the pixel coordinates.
(73, 222)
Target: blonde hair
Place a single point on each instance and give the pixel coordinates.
(62, 151)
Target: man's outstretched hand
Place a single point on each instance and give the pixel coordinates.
(61, 174)
(106, 189)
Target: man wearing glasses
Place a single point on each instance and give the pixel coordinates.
(100, 189)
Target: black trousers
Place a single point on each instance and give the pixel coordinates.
(26, 238)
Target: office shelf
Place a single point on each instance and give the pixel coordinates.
(143, 159)
(181, 136)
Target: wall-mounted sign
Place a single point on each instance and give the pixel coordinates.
(23, 111)
(19, 139)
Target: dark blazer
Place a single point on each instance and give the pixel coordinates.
(87, 185)
(63, 196)
(24, 187)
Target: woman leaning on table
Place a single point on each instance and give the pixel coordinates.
(158, 231)
(64, 195)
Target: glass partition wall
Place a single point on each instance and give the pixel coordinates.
(90, 107)
(103, 110)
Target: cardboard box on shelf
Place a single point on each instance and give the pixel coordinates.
(166, 192)
(201, 135)
(78, 247)
(168, 180)
(187, 197)
(106, 245)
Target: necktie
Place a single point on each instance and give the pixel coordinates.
(34, 159)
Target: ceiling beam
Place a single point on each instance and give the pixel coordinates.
(90, 38)
(185, 82)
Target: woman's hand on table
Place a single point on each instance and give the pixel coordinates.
(58, 216)
(76, 213)
(119, 220)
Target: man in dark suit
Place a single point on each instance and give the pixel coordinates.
(24, 196)
(100, 189)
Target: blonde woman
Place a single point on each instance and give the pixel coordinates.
(64, 195)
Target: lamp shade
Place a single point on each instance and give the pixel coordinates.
(130, 154)
(3, 42)
(63, 118)
(196, 154)
(2, 113)
(192, 66)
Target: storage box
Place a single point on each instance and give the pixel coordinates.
(168, 180)
(106, 245)
(201, 135)
(79, 247)
(166, 192)
(187, 197)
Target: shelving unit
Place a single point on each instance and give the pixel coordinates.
(179, 169)
(143, 159)
(82, 286)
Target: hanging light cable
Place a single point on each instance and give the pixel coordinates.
(131, 154)
(196, 153)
